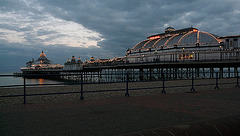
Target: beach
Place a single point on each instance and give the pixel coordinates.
(135, 89)
(112, 113)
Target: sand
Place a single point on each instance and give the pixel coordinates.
(135, 89)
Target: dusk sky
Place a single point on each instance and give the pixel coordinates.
(100, 28)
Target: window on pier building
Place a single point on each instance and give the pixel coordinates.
(235, 44)
(227, 43)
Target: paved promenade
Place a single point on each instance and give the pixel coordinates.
(116, 116)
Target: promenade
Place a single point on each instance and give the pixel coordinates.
(119, 115)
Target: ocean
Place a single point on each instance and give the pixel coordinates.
(10, 80)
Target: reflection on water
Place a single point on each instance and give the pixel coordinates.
(41, 81)
(38, 81)
(10, 80)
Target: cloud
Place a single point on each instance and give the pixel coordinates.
(124, 23)
(13, 56)
(34, 26)
(105, 28)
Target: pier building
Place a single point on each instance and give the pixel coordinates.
(188, 44)
(41, 60)
(231, 42)
(73, 64)
(42, 63)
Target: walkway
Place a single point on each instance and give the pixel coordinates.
(116, 116)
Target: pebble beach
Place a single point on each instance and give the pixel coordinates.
(135, 89)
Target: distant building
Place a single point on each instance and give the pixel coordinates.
(41, 63)
(41, 60)
(73, 64)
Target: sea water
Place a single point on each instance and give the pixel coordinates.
(11, 80)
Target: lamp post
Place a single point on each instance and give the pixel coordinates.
(183, 56)
(220, 52)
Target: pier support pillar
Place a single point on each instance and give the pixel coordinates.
(141, 74)
(203, 72)
(187, 73)
(197, 72)
(170, 73)
(176, 73)
(211, 73)
(235, 71)
(221, 72)
(229, 72)
(181, 73)
(151, 73)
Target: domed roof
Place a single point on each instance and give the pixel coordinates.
(79, 60)
(92, 59)
(42, 59)
(73, 58)
(42, 55)
(169, 29)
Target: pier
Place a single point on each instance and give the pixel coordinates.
(144, 71)
(178, 54)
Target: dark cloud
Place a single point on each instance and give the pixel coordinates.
(13, 56)
(11, 5)
(124, 23)
(121, 23)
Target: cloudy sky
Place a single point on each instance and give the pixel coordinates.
(100, 28)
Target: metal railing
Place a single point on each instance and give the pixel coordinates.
(164, 78)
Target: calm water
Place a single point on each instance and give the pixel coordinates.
(10, 80)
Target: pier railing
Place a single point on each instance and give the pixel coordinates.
(194, 80)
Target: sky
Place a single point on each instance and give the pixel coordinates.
(100, 28)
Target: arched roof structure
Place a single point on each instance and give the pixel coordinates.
(183, 37)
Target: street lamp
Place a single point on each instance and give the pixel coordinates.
(183, 56)
(220, 52)
(193, 55)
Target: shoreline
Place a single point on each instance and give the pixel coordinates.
(108, 94)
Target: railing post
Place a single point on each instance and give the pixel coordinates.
(217, 87)
(163, 86)
(127, 94)
(81, 97)
(192, 89)
(24, 89)
(237, 81)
